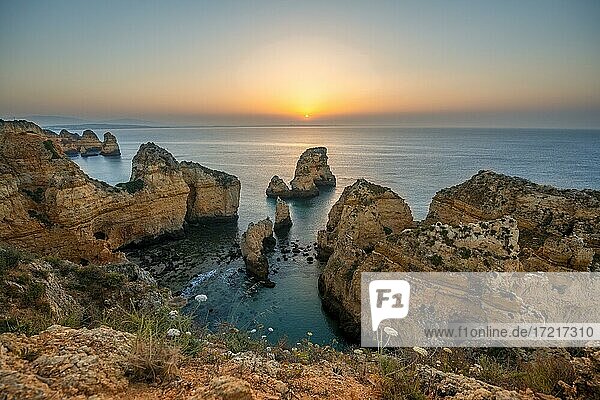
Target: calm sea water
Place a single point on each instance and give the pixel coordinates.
(414, 162)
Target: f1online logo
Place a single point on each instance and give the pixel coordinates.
(389, 300)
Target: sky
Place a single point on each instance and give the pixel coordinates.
(471, 63)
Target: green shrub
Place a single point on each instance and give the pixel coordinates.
(49, 145)
(132, 186)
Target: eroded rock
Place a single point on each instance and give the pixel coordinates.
(312, 171)
(51, 207)
(213, 194)
(282, 215)
(559, 228)
(110, 146)
(255, 242)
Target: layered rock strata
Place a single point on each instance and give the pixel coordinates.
(110, 146)
(282, 215)
(213, 194)
(255, 242)
(312, 172)
(559, 228)
(51, 207)
(490, 223)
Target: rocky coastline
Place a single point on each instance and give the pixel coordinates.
(492, 222)
(60, 266)
(49, 206)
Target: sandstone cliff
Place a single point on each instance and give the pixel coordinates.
(255, 242)
(559, 228)
(311, 172)
(213, 194)
(490, 223)
(49, 206)
(110, 146)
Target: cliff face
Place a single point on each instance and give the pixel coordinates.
(365, 213)
(490, 223)
(110, 147)
(311, 172)
(51, 207)
(559, 228)
(213, 194)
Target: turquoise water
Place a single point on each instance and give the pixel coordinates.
(414, 162)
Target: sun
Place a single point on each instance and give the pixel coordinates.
(306, 115)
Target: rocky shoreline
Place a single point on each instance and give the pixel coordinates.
(76, 226)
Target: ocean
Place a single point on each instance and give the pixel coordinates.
(414, 162)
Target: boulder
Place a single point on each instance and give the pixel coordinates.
(213, 194)
(311, 172)
(282, 215)
(559, 228)
(255, 242)
(110, 147)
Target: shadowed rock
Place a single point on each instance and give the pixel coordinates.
(282, 215)
(255, 242)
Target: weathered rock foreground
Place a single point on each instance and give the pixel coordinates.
(312, 172)
(51, 207)
(490, 223)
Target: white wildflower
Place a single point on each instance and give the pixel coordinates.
(420, 351)
(173, 314)
(309, 333)
(390, 331)
(201, 298)
(253, 331)
(447, 350)
(268, 349)
(173, 333)
(358, 351)
(263, 336)
(270, 329)
(188, 333)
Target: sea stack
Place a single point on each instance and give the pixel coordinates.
(255, 242)
(312, 172)
(282, 215)
(110, 147)
(89, 144)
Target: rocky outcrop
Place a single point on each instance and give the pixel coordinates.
(213, 194)
(365, 213)
(490, 223)
(559, 228)
(110, 147)
(312, 172)
(89, 144)
(51, 207)
(282, 215)
(255, 242)
(64, 363)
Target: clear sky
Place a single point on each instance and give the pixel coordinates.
(504, 63)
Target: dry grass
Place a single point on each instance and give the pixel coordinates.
(153, 360)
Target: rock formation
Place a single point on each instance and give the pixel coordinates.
(49, 206)
(255, 242)
(282, 215)
(110, 147)
(89, 144)
(312, 171)
(213, 194)
(365, 213)
(490, 223)
(559, 228)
